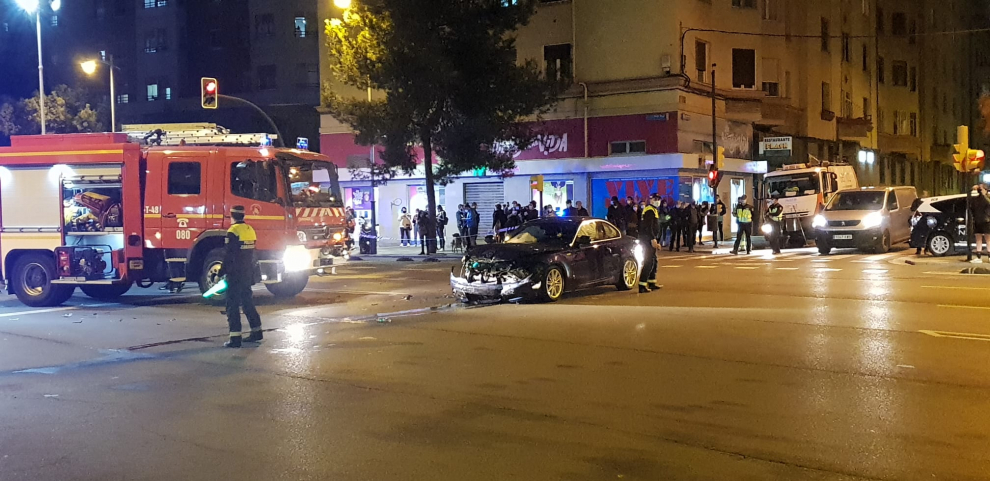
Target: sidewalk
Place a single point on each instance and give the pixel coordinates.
(408, 254)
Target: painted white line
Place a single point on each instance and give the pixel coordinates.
(826, 269)
(669, 267)
(957, 335)
(706, 267)
(949, 306)
(747, 268)
(874, 271)
(53, 309)
(957, 287)
(786, 268)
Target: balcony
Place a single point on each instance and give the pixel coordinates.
(854, 128)
(904, 144)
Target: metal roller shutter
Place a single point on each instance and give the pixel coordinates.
(486, 194)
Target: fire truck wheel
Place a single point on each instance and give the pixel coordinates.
(210, 274)
(32, 282)
(290, 287)
(106, 293)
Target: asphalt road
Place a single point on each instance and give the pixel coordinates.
(796, 367)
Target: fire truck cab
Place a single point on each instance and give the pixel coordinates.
(103, 212)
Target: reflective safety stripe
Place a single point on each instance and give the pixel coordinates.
(235, 334)
(244, 232)
(744, 215)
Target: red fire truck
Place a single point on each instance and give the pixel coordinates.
(102, 212)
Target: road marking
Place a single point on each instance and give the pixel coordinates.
(668, 267)
(827, 269)
(746, 267)
(957, 335)
(957, 287)
(786, 268)
(706, 267)
(949, 306)
(54, 309)
(874, 271)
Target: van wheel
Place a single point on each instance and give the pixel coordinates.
(110, 292)
(291, 286)
(883, 245)
(210, 274)
(32, 282)
(940, 244)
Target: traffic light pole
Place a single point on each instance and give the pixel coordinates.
(714, 127)
(969, 227)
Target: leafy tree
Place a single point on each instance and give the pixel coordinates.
(451, 80)
(67, 110)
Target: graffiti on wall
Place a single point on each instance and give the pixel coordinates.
(639, 189)
(737, 138)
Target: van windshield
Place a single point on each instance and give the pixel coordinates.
(868, 200)
(794, 185)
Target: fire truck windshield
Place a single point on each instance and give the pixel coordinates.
(313, 183)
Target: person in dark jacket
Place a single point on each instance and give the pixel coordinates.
(581, 211)
(442, 227)
(712, 221)
(702, 218)
(615, 214)
(692, 219)
(664, 211)
(531, 212)
(238, 270)
(675, 226)
(721, 210)
(499, 219)
(423, 227)
(632, 216)
(980, 211)
(473, 221)
(648, 231)
(569, 211)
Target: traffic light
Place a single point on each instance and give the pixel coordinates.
(962, 148)
(210, 92)
(536, 182)
(713, 176)
(720, 158)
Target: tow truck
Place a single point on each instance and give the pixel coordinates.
(105, 211)
(804, 189)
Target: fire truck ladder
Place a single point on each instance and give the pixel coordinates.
(193, 134)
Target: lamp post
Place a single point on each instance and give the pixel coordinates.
(89, 68)
(33, 6)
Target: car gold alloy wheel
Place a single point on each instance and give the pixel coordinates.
(554, 284)
(630, 272)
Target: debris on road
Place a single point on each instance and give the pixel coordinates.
(67, 315)
(51, 395)
(384, 320)
(408, 297)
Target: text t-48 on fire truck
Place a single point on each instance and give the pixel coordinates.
(102, 212)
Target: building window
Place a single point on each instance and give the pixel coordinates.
(744, 3)
(846, 48)
(913, 32)
(913, 81)
(881, 75)
(899, 71)
(880, 20)
(847, 105)
(880, 124)
(866, 107)
(152, 92)
(897, 123)
(701, 60)
(914, 124)
(185, 178)
(825, 35)
(898, 24)
(627, 147)
(155, 3)
(866, 58)
(771, 79)
(865, 5)
(826, 97)
(267, 77)
(103, 55)
(559, 63)
(168, 93)
(300, 27)
(308, 75)
(156, 41)
(770, 10)
(54, 20)
(264, 25)
(743, 68)
(123, 99)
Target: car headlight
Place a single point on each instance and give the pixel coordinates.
(767, 229)
(932, 222)
(873, 219)
(301, 236)
(819, 221)
(638, 253)
(337, 236)
(296, 258)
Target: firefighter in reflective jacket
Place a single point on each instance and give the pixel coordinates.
(649, 231)
(775, 219)
(238, 267)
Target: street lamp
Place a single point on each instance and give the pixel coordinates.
(89, 68)
(343, 4)
(32, 6)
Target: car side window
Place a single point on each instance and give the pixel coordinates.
(891, 201)
(588, 229)
(610, 231)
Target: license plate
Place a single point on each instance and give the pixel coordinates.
(843, 237)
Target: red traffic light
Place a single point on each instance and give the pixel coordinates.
(211, 87)
(210, 92)
(711, 175)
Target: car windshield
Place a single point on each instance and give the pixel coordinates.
(863, 200)
(794, 185)
(556, 233)
(313, 183)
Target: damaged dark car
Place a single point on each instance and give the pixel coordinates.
(544, 258)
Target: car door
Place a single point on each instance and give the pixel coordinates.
(611, 247)
(893, 216)
(905, 198)
(586, 259)
(183, 201)
(254, 184)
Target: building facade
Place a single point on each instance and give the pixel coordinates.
(879, 84)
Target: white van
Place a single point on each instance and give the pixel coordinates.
(868, 218)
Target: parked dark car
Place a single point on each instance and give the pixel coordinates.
(942, 226)
(544, 258)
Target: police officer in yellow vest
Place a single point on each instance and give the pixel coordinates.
(648, 233)
(744, 222)
(238, 267)
(775, 217)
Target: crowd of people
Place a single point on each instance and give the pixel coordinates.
(681, 224)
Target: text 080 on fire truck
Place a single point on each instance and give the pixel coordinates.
(103, 212)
